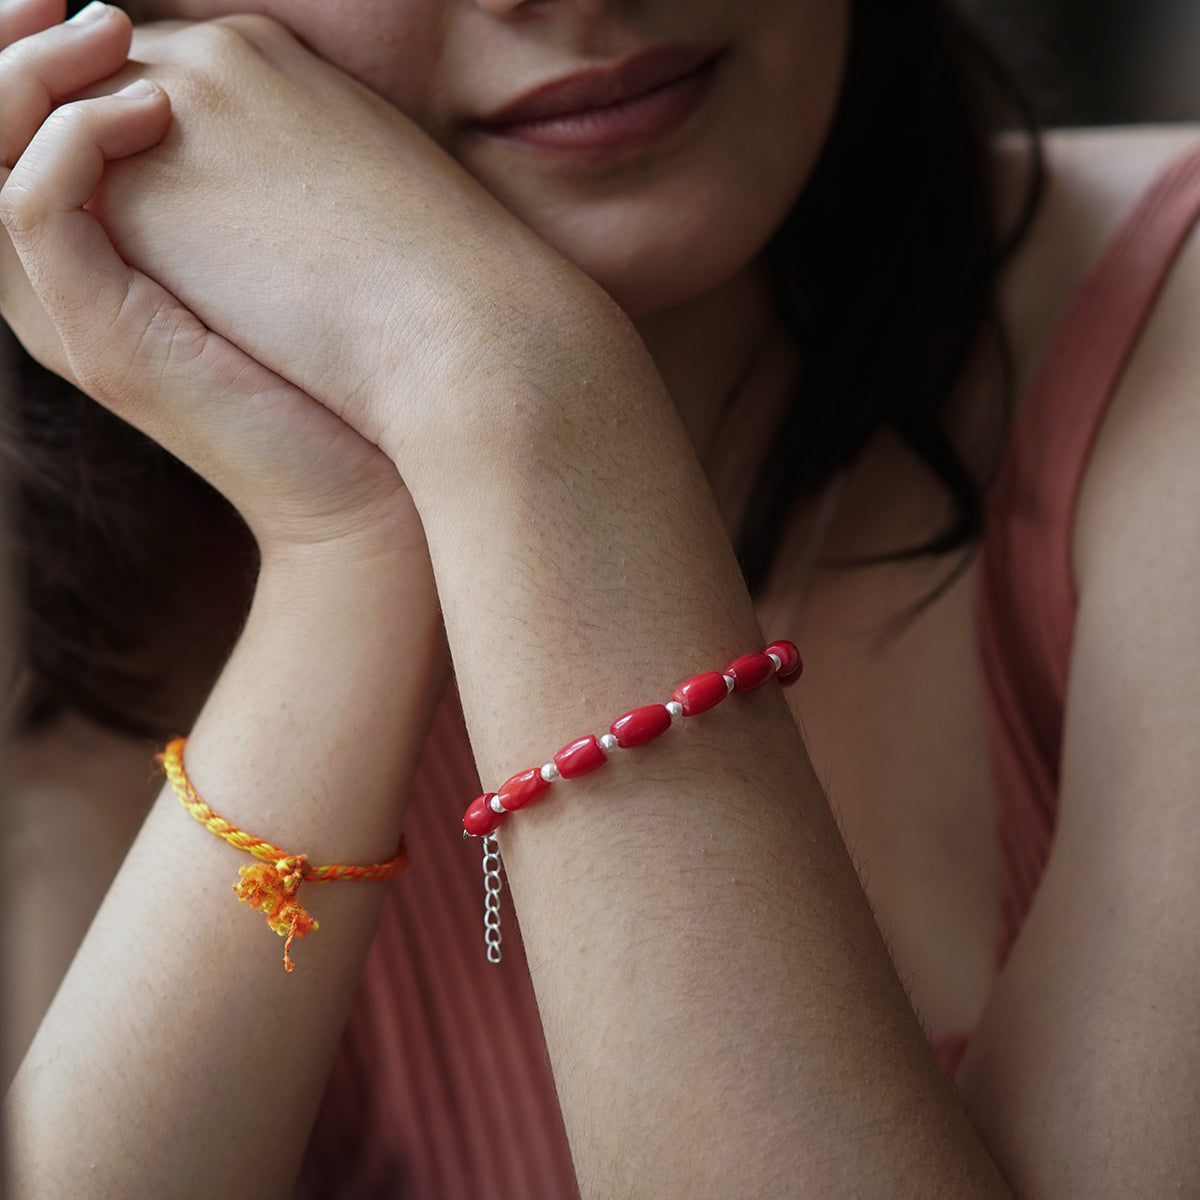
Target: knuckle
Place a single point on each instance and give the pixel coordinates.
(227, 38)
(199, 51)
(65, 132)
(212, 37)
(21, 208)
(203, 71)
(256, 29)
(67, 119)
(17, 57)
(70, 124)
(121, 360)
(204, 60)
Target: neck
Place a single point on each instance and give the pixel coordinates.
(730, 367)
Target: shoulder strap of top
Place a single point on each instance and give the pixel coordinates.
(1025, 598)
(1052, 435)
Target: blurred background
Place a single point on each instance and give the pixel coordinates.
(1106, 62)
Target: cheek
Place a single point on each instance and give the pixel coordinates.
(717, 219)
(668, 232)
(393, 48)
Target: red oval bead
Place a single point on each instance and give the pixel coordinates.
(750, 671)
(641, 725)
(791, 665)
(479, 820)
(579, 757)
(522, 789)
(701, 692)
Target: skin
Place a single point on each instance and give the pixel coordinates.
(756, 883)
(446, 66)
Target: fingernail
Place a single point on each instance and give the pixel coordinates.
(93, 11)
(139, 89)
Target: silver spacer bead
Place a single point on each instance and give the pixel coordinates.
(729, 682)
(495, 805)
(675, 709)
(776, 660)
(608, 742)
(549, 772)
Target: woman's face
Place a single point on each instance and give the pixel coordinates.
(678, 134)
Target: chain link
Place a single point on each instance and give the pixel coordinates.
(491, 897)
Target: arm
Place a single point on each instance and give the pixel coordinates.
(309, 739)
(550, 441)
(721, 1014)
(1082, 1075)
(1081, 1079)
(582, 568)
(175, 981)
(640, 1011)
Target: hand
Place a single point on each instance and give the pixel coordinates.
(43, 63)
(296, 472)
(319, 229)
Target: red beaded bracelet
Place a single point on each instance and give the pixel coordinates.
(780, 660)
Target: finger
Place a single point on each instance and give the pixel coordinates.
(53, 61)
(22, 311)
(20, 18)
(41, 206)
(136, 349)
(118, 328)
(40, 71)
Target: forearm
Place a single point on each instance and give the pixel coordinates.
(721, 1013)
(179, 1058)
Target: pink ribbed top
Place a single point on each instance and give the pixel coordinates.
(442, 1088)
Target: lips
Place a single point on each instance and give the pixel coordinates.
(624, 106)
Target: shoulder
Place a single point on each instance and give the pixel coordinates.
(1135, 666)
(1147, 442)
(1093, 178)
(1136, 516)
(1098, 989)
(1141, 481)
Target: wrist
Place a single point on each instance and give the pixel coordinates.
(333, 682)
(570, 380)
(354, 613)
(586, 551)
(335, 625)
(504, 364)
(382, 545)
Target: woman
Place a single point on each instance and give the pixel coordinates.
(430, 416)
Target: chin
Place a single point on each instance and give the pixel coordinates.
(676, 283)
(663, 249)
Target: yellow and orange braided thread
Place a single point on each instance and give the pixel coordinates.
(272, 886)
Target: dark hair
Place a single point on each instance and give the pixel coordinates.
(888, 310)
(113, 541)
(885, 272)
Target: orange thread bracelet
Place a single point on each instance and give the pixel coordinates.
(272, 886)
